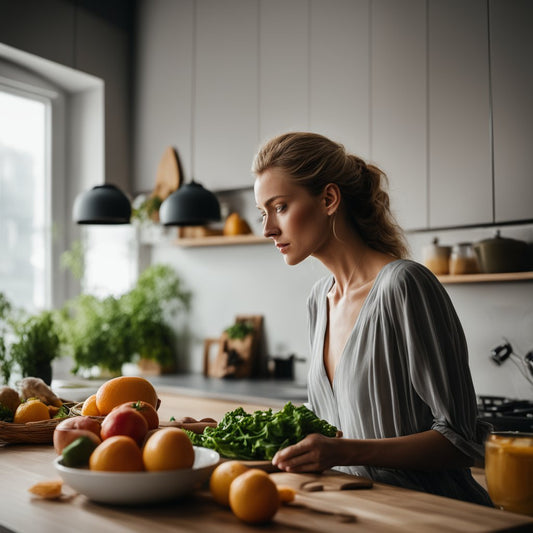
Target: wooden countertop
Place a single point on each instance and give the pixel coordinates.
(380, 509)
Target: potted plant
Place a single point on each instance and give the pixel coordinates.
(106, 333)
(5, 361)
(156, 298)
(95, 333)
(36, 343)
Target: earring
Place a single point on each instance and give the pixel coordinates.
(334, 219)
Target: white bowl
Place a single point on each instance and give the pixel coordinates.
(131, 488)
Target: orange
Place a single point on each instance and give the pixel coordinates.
(89, 407)
(254, 497)
(124, 389)
(31, 411)
(168, 449)
(117, 454)
(222, 477)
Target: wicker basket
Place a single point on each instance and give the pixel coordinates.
(41, 432)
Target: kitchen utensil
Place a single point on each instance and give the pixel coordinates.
(437, 257)
(168, 177)
(509, 470)
(501, 254)
(463, 259)
(283, 367)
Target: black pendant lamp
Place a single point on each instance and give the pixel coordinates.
(190, 205)
(103, 204)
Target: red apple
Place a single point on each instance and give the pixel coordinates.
(70, 429)
(124, 420)
(145, 409)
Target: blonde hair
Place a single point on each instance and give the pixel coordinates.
(313, 161)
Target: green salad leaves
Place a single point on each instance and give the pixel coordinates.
(258, 436)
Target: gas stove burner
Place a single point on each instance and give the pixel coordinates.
(506, 414)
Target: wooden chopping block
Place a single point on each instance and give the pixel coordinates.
(168, 177)
(304, 484)
(330, 480)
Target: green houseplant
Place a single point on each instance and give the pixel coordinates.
(108, 332)
(36, 345)
(5, 361)
(34, 342)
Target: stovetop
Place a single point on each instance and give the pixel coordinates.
(506, 414)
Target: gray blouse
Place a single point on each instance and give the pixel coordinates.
(404, 370)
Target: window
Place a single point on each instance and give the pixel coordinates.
(25, 193)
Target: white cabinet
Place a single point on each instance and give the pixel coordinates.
(339, 58)
(398, 141)
(284, 67)
(511, 42)
(163, 85)
(226, 74)
(459, 141)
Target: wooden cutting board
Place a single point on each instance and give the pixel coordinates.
(305, 484)
(331, 480)
(168, 177)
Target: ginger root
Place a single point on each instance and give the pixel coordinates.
(37, 388)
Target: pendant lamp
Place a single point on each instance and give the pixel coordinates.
(190, 205)
(103, 204)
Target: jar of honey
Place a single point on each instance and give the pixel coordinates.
(509, 470)
(437, 257)
(463, 259)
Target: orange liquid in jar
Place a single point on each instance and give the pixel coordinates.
(509, 471)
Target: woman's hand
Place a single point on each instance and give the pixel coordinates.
(314, 453)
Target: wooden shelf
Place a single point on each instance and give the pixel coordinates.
(221, 240)
(486, 278)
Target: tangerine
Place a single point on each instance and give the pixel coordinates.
(222, 477)
(254, 497)
(168, 449)
(89, 407)
(31, 411)
(117, 454)
(124, 389)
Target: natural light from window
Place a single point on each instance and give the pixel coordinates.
(24, 216)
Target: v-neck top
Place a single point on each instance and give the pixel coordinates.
(404, 370)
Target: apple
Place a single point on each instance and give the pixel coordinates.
(70, 429)
(123, 420)
(145, 409)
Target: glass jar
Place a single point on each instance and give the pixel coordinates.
(463, 259)
(509, 470)
(437, 258)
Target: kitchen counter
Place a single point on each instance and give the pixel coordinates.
(382, 508)
(251, 389)
(273, 391)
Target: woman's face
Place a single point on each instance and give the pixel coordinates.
(296, 221)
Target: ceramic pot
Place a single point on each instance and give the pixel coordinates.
(501, 254)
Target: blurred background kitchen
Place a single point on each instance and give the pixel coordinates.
(435, 92)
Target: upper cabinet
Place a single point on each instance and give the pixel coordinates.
(436, 93)
(284, 67)
(399, 110)
(459, 140)
(226, 76)
(339, 62)
(511, 45)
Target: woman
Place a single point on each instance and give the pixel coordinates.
(389, 362)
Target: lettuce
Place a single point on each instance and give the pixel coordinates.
(259, 435)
